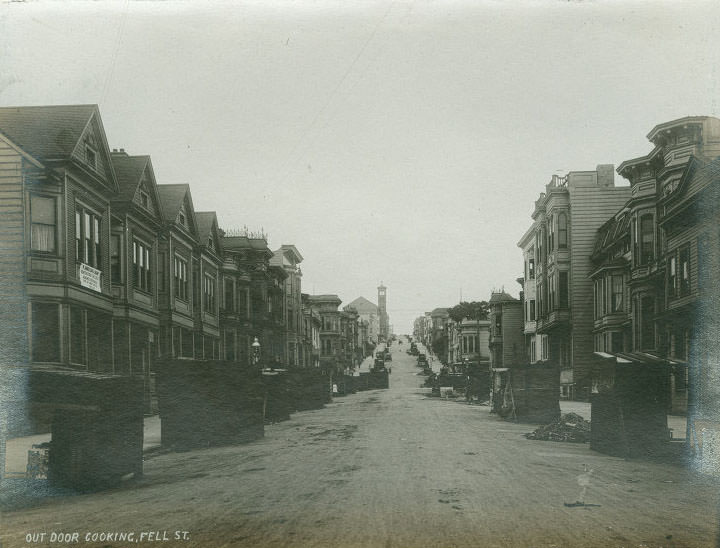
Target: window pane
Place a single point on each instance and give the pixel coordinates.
(43, 210)
(45, 332)
(43, 238)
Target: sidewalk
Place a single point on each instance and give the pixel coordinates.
(16, 449)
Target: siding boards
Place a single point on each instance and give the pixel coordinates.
(13, 312)
(513, 337)
(590, 208)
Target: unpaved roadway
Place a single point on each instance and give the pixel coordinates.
(390, 468)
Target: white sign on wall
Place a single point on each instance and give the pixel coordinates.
(90, 277)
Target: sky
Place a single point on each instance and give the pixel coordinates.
(399, 142)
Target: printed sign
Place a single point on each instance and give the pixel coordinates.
(89, 277)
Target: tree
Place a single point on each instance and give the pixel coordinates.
(439, 348)
(475, 310)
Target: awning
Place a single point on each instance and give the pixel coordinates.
(635, 358)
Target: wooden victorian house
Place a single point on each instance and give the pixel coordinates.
(58, 181)
(136, 222)
(177, 300)
(207, 265)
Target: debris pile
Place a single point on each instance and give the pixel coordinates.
(570, 427)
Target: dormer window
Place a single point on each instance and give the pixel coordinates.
(211, 245)
(181, 218)
(144, 200)
(91, 157)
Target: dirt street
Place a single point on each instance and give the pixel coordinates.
(390, 468)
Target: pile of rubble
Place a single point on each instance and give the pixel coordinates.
(570, 427)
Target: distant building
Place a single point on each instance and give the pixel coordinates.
(506, 339)
(529, 296)
(288, 258)
(468, 341)
(311, 333)
(370, 313)
(438, 338)
(332, 358)
(382, 312)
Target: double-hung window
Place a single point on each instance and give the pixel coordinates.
(209, 294)
(647, 239)
(562, 231)
(115, 261)
(616, 304)
(563, 290)
(180, 278)
(550, 235)
(141, 266)
(672, 276)
(87, 237)
(43, 224)
(684, 270)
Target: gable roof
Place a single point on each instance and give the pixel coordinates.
(5, 139)
(206, 220)
(129, 170)
(362, 305)
(501, 297)
(46, 132)
(291, 252)
(172, 199)
(205, 223)
(53, 133)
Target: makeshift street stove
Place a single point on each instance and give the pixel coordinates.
(570, 427)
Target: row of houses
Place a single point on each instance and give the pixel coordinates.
(106, 271)
(490, 341)
(617, 277)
